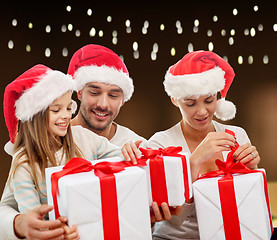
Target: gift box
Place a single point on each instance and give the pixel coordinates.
(168, 174)
(105, 202)
(232, 202)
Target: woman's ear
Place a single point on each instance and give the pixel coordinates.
(174, 101)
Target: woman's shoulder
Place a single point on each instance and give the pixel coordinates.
(220, 127)
(165, 137)
(240, 133)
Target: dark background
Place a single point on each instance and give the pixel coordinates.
(254, 90)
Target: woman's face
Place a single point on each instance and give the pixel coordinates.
(60, 114)
(197, 112)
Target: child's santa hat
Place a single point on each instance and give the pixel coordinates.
(33, 92)
(95, 63)
(200, 73)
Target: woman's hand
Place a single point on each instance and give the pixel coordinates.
(212, 144)
(131, 152)
(248, 155)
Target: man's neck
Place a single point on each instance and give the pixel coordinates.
(108, 132)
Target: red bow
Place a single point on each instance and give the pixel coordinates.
(227, 193)
(157, 171)
(78, 165)
(151, 153)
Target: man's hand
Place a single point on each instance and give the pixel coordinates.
(164, 212)
(32, 226)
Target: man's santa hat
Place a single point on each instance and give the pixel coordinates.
(200, 73)
(95, 63)
(33, 92)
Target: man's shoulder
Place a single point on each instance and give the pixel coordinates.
(124, 134)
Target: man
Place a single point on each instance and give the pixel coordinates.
(104, 86)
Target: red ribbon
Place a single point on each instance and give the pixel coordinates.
(227, 192)
(104, 170)
(157, 171)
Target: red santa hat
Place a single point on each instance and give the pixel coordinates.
(200, 73)
(95, 63)
(32, 92)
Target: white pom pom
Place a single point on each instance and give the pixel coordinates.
(225, 110)
(73, 106)
(9, 147)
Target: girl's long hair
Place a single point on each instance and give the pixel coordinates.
(32, 142)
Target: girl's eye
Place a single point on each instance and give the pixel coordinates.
(69, 108)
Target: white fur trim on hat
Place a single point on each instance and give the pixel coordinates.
(225, 110)
(105, 74)
(36, 99)
(208, 82)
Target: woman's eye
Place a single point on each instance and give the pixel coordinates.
(55, 111)
(190, 104)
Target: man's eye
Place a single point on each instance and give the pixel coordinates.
(93, 93)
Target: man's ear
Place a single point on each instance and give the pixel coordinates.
(173, 100)
(79, 93)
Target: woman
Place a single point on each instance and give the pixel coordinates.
(192, 84)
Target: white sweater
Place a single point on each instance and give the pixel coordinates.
(185, 225)
(24, 196)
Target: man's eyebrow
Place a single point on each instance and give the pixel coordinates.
(93, 86)
(119, 90)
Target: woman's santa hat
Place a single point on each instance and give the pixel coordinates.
(95, 63)
(33, 92)
(200, 73)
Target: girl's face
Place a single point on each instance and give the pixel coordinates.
(60, 114)
(197, 112)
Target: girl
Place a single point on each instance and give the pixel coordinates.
(40, 99)
(193, 83)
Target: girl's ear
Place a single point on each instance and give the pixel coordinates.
(173, 100)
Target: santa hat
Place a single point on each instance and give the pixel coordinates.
(200, 73)
(95, 63)
(33, 92)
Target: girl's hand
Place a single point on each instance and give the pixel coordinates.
(248, 155)
(70, 233)
(131, 152)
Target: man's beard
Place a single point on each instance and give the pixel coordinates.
(92, 127)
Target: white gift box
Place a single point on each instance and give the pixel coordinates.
(79, 199)
(253, 211)
(176, 174)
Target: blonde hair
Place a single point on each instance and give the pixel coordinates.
(32, 142)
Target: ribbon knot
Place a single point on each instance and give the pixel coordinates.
(78, 165)
(169, 151)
